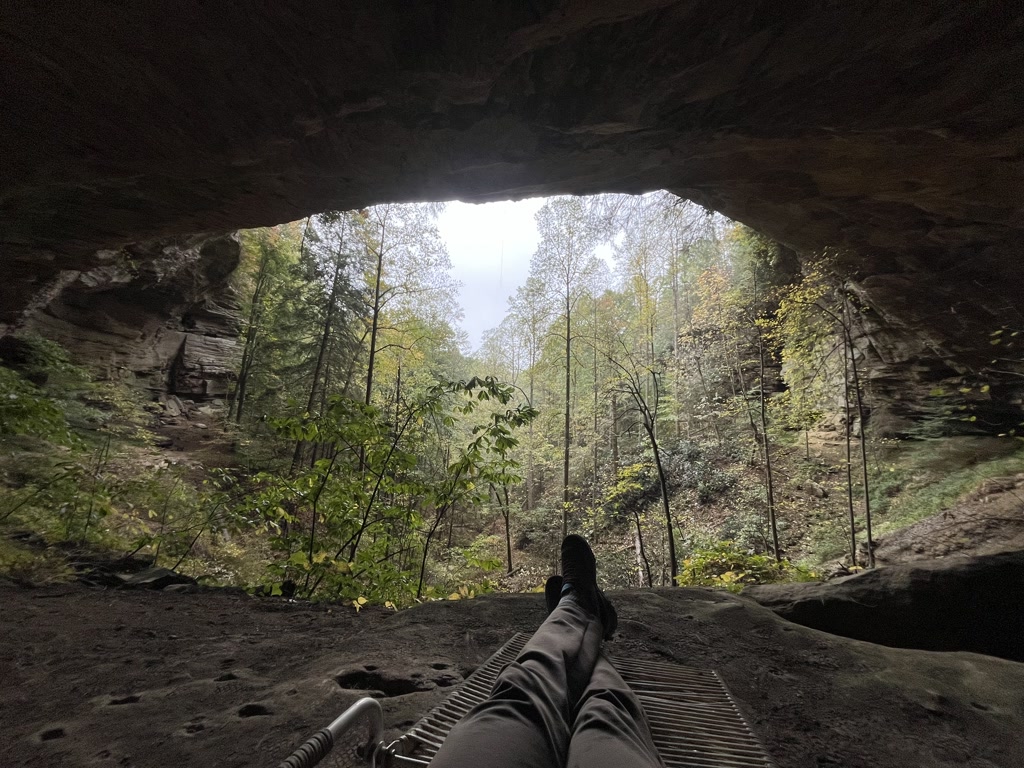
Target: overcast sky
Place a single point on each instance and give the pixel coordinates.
(490, 245)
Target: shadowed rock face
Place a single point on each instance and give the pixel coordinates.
(159, 313)
(971, 604)
(891, 129)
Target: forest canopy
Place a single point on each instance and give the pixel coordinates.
(656, 383)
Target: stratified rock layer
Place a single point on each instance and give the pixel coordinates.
(160, 313)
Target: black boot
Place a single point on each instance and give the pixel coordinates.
(553, 592)
(579, 570)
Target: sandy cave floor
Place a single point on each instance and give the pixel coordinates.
(92, 677)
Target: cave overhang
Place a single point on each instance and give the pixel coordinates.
(889, 131)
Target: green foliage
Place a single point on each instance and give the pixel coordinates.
(810, 340)
(99, 499)
(49, 398)
(693, 469)
(483, 554)
(345, 525)
(75, 474)
(40, 396)
(924, 478)
(26, 410)
(31, 565)
(376, 482)
(635, 485)
(727, 566)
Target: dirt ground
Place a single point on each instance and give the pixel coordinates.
(93, 677)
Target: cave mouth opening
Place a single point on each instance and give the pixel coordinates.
(897, 164)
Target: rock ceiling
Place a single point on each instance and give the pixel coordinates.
(890, 129)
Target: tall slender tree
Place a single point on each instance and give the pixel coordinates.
(564, 260)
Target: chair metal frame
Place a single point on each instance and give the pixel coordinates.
(694, 720)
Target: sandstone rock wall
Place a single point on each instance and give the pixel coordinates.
(969, 604)
(932, 350)
(160, 313)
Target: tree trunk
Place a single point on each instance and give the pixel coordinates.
(863, 438)
(374, 321)
(596, 424)
(676, 352)
(321, 360)
(614, 434)
(643, 564)
(251, 335)
(565, 457)
(507, 513)
(707, 396)
(673, 566)
(426, 549)
(769, 484)
(849, 457)
(531, 477)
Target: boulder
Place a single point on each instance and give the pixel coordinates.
(154, 578)
(970, 604)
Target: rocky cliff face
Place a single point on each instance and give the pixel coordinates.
(935, 350)
(890, 130)
(160, 313)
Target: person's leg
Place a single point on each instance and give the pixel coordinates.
(610, 727)
(526, 721)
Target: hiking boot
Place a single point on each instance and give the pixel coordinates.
(553, 592)
(579, 570)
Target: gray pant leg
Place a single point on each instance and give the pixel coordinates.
(610, 729)
(527, 721)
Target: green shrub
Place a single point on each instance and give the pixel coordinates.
(25, 565)
(727, 566)
(26, 410)
(924, 478)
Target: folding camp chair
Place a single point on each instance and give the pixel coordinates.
(694, 720)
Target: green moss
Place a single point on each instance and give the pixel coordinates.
(926, 478)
